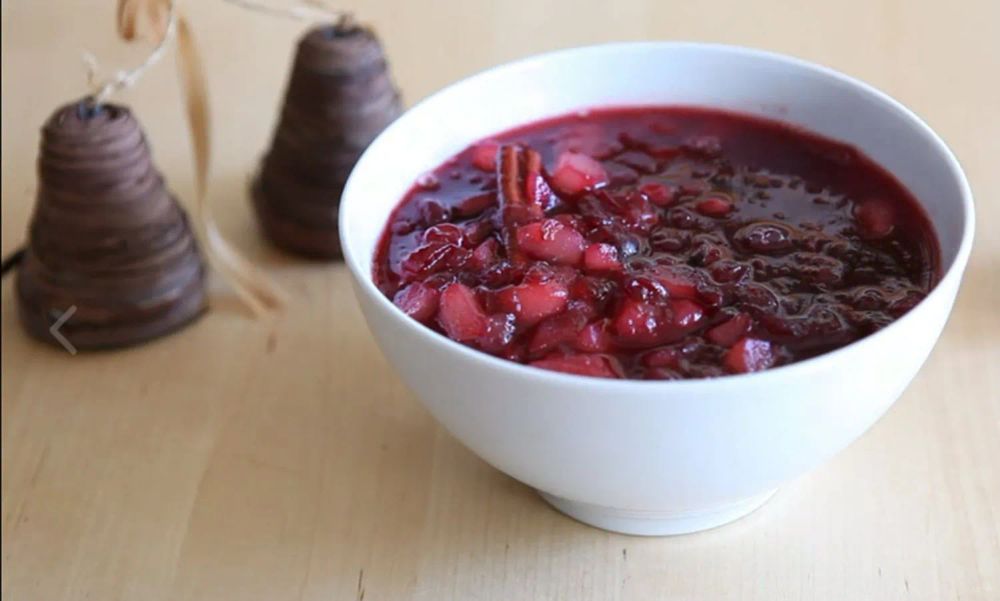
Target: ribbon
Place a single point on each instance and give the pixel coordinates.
(162, 22)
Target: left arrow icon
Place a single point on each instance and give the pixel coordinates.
(54, 330)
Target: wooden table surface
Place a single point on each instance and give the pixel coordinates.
(284, 460)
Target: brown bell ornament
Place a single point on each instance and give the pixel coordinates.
(340, 97)
(111, 259)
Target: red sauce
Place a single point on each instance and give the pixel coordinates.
(657, 243)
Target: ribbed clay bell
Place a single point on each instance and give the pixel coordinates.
(111, 259)
(340, 97)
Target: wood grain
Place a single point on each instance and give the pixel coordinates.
(285, 461)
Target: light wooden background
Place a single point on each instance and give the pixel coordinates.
(245, 460)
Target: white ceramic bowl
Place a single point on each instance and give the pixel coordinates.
(647, 457)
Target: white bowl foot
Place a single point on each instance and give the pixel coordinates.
(656, 523)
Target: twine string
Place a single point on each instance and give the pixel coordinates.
(303, 10)
(122, 78)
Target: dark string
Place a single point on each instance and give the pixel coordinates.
(11, 261)
(87, 109)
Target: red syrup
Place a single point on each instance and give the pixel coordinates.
(657, 243)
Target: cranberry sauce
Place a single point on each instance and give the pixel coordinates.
(657, 243)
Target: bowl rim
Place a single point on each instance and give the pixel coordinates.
(953, 272)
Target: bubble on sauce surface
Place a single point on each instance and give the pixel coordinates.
(766, 237)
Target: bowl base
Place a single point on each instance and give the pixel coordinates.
(656, 523)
